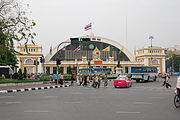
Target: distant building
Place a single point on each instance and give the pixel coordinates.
(89, 51)
(28, 56)
(152, 56)
(175, 49)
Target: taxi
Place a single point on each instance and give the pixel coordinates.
(122, 81)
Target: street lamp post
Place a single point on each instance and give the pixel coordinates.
(151, 38)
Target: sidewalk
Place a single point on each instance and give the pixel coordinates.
(20, 88)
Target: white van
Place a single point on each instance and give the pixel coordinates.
(6, 71)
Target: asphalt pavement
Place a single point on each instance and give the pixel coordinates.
(143, 101)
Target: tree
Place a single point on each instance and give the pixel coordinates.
(20, 75)
(173, 62)
(14, 26)
(25, 73)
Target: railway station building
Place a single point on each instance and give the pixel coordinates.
(88, 51)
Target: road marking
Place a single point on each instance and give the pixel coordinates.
(155, 97)
(143, 103)
(75, 102)
(39, 92)
(122, 112)
(6, 97)
(51, 96)
(76, 93)
(15, 102)
(36, 111)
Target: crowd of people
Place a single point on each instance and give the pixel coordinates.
(57, 78)
(87, 80)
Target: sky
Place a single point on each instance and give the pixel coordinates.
(129, 22)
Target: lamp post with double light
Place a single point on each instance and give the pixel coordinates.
(151, 38)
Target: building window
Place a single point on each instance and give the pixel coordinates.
(28, 61)
(155, 61)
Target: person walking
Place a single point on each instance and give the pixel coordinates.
(77, 80)
(105, 81)
(99, 81)
(88, 81)
(96, 81)
(167, 81)
(164, 82)
(80, 80)
(85, 81)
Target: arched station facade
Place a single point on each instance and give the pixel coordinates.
(87, 51)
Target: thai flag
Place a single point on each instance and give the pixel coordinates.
(77, 49)
(88, 27)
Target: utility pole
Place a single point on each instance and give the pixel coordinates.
(151, 38)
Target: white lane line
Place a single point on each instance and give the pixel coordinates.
(36, 111)
(39, 92)
(155, 97)
(15, 102)
(50, 96)
(124, 112)
(75, 102)
(76, 93)
(143, 103)
(6, 97)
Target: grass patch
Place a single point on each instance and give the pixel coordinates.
(18, 81)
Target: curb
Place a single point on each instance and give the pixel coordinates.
(34, 88)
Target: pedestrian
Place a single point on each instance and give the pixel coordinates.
(55, 78)
(96, 81)
(60, 78)
(88, 81)
(105, 81)
(77, 80)
(99, 81)
(164, 82)
(167, 81)
(72, 80)
(80, 80)
(85, 81)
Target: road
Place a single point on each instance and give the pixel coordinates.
(143, 101)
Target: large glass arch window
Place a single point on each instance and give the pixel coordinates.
(86, 48)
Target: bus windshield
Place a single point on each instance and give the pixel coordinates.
(94, 71)
(143, 70)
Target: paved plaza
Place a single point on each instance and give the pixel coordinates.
(143, 101)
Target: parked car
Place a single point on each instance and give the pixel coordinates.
(160, 75)
(122, 81)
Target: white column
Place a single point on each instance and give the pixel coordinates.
(146, 62)
(163, 66)
(51, 70)
(65, 70)
(129, 69)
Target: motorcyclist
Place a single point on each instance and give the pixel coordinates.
(178, 86)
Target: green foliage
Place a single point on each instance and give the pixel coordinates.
(15, 76)
(14, 26)
(20, 75)
(25, 73)
(173, 62)
(67, 76)
(17, 81)
(44, 77)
